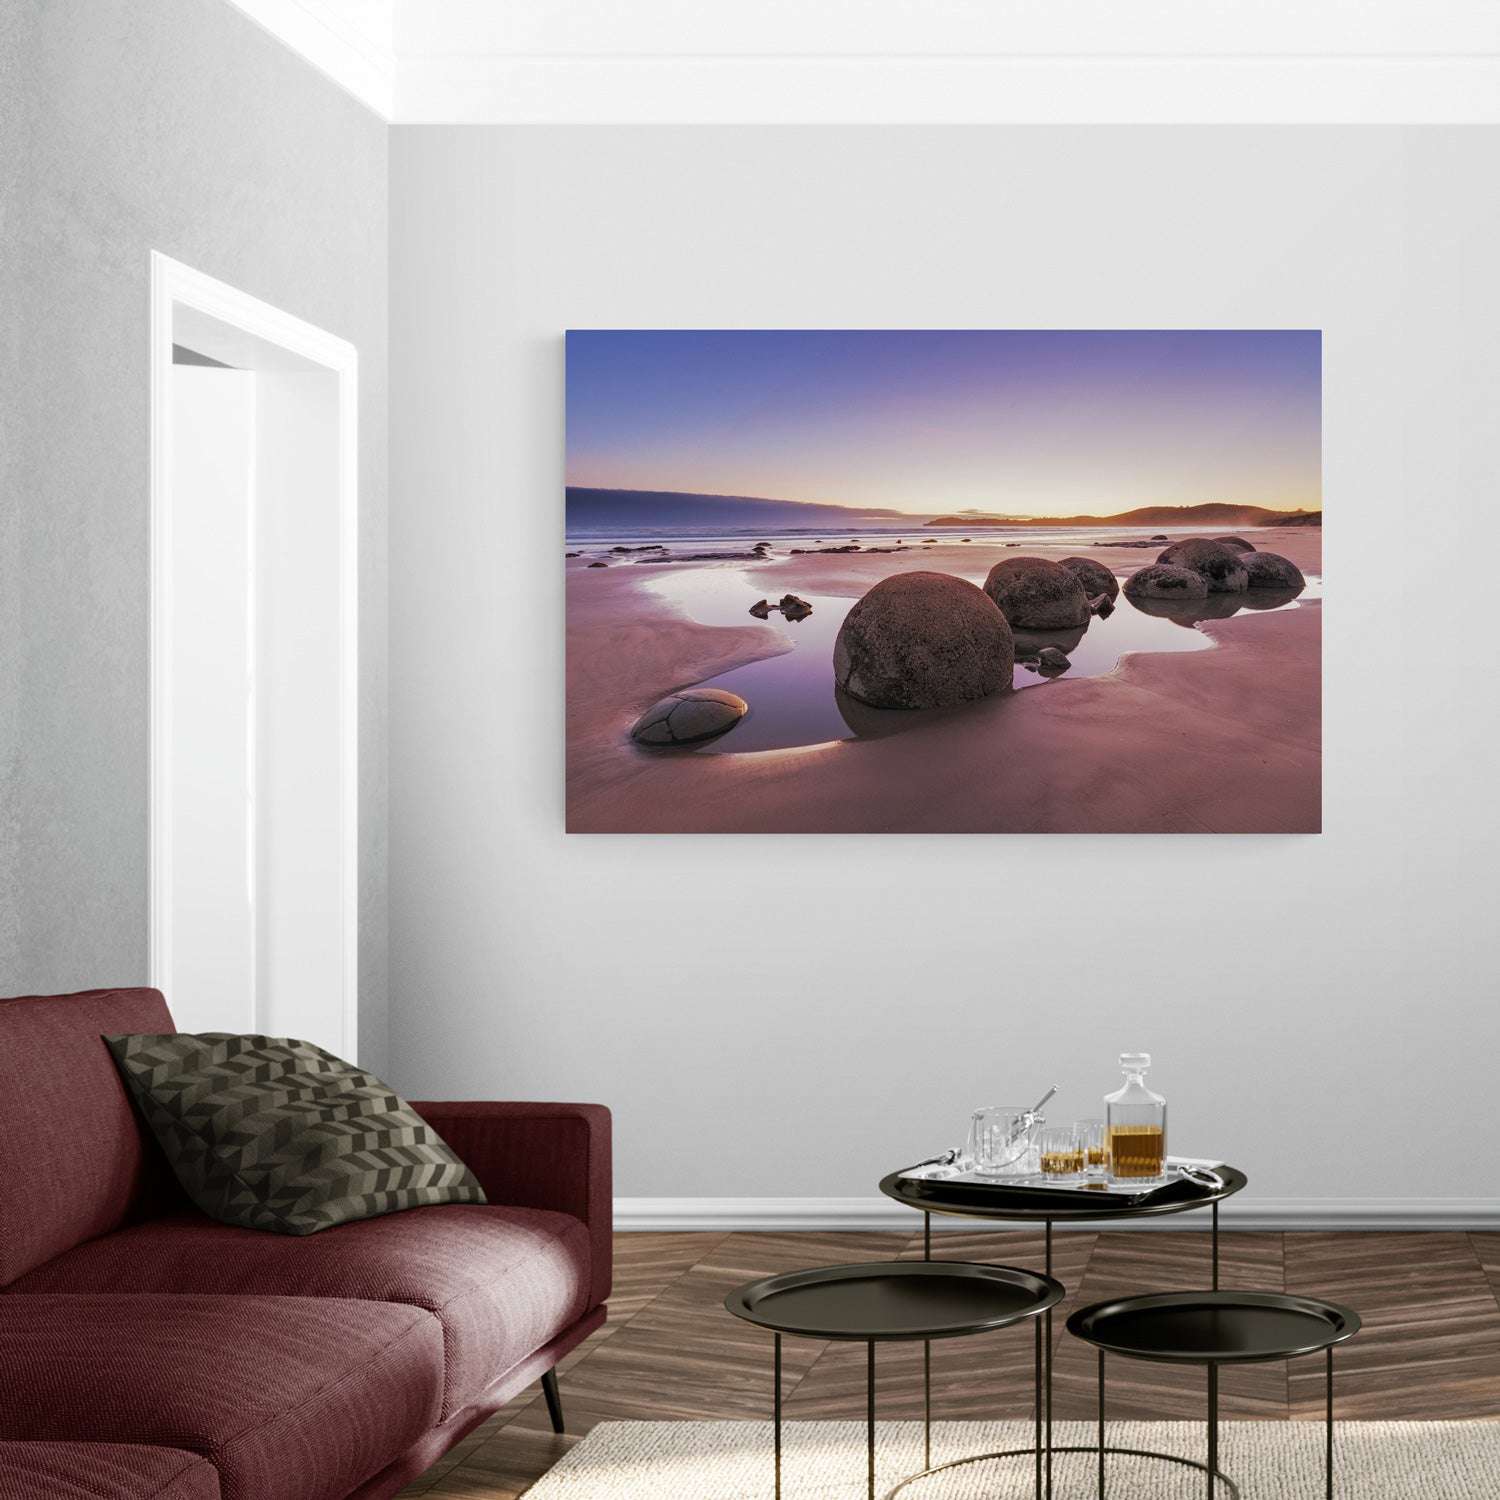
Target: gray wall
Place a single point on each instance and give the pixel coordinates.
(791, 1016)
(177, 126)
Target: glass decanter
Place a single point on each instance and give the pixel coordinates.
(1137, 1120)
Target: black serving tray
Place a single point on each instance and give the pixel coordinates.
(1000, 1200)
(1108, 1194)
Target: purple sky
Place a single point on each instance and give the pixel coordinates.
(1022, 422)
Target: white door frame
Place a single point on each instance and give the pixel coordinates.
(175, 286)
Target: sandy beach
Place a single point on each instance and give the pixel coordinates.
(1213, 741)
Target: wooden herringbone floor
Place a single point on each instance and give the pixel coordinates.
(1430, 1346)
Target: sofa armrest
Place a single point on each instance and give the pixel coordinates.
(555, 1156)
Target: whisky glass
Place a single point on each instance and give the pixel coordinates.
(1093, 1141)
(1062, 1156)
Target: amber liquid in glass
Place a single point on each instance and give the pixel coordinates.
(1137, 1150)
(1062, 1163)
(1097, 1156)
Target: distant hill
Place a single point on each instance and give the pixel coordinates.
(1299, 518)
(1211, 513)
(654, 510)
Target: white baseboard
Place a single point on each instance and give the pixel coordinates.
(790, 1214)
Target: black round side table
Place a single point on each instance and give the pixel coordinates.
(1213, 1329)
(1026, 1204)
(895, 1301)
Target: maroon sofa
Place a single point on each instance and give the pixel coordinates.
(146, 1350)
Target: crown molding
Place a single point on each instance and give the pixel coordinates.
(947, 61)
(889, 62)
(787, 29)
(349, 41)
(948, 91)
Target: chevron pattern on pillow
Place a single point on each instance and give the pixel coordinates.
(276, 1134)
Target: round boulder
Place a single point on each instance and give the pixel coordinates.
(1164, 581)
(1269, 570)
(1220, 567)
(923, 640)
(1094, 576)
(1235, 543)
(688, 717)
(1035, 594)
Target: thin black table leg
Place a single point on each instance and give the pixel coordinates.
(927, 1359)
(1038, 1388)
(1216, 1245)
(1049, 1368)
(776, 1408)
(927, 1403)
(1328, 1449)
(1213, 1427)
(1101, 1425)
(870, 1416)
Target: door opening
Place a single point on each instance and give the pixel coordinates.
(254, 828)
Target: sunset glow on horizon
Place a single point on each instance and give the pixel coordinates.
(1016, 422)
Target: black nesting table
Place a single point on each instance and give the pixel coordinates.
(1046, 1206)
(1212, 1329)
(895, 1301)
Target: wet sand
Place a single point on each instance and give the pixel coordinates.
(1222, 741)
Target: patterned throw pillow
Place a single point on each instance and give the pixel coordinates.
(277, 1134)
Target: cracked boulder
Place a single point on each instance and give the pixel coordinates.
(1220, 567)
(1094, 576)
(1269, 570)
(689, 717)
(1235, 543)
(1036, 594)
(923, 640)
(1163, 581)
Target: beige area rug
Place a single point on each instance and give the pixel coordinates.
(826, 1461)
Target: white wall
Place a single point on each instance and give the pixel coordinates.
(791, 1017)
(176, 126)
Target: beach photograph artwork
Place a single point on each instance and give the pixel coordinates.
(934, 581)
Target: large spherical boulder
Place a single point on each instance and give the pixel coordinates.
(689, 717)
(1036, 594)
(1220, 567)
(1165, 581)
(1235, 543)
(1269, 570)
(923, 640)
(1094, 576)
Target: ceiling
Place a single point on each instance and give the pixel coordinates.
(900, 61)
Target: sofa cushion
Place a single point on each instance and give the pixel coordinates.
(290, 1398)
(103, 1471)
(74, 1161)
(503, 1281)
(278, 1134)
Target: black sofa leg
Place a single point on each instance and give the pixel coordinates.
(554, 1401)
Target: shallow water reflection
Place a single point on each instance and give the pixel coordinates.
(1190, 612)
(792, 697)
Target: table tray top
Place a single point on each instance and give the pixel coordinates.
(1214, 1327)
(1001, 1200)
(893, 1300)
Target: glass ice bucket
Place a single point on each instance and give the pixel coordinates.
(1004, 1142)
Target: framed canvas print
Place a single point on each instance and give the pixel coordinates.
(988, 581)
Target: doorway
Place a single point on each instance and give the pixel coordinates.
(254, 658)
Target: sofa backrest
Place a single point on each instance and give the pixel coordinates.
(74, 1160)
